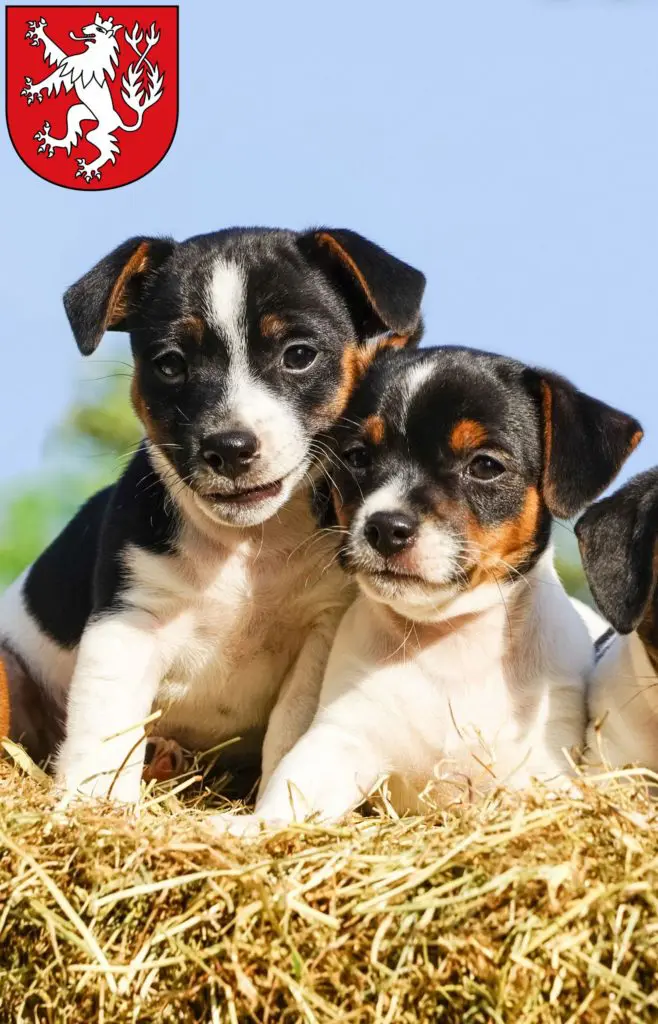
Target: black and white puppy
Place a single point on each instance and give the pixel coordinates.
(618, 540)
(195, 585)
(462, 661)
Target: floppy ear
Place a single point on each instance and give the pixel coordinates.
(586, 442)
(617, 539)
(382, 293)
(107, 298)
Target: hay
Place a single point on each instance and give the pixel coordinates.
(546, 912)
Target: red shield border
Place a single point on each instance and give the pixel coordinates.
(142, 96)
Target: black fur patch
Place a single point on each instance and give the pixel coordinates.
(617, 539)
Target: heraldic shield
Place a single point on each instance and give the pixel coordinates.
(92, 92)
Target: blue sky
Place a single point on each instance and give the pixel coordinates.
(509, 148)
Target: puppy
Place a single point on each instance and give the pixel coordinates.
(618, 543)
(462, 660)
(196, 585)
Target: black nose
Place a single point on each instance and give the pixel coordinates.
(230, 452)
(389, 532)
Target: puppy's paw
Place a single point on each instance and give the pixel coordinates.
(164, 760)
(247, 826)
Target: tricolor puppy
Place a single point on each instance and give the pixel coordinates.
(196, 585)
(618, 540)
(462, 660)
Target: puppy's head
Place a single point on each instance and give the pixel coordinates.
(247, 343)
(618, 540)
(453, 463)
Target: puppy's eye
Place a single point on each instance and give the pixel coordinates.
(298, 358)
(484, 467)
(357, 457)
(171, 367)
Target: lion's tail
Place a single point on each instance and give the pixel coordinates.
(136, 125)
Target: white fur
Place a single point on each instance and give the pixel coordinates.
(214, 637)
(248, 404)
(623, 706)
(466, 703)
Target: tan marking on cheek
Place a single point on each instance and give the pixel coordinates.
(498, 550)
(117, 306)
(374, 429)
(143, 413)
(272, 325)
(467, 434)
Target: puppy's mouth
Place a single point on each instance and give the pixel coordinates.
(393, 576)
(246, 496)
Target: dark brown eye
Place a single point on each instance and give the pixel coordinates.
(357, 456)
(171, 367)
(298, 358)
(484, 467)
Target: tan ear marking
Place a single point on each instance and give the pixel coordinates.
(547, 412)
(635, 440)
(324, 238)
(116, 307)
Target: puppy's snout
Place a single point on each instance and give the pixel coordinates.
(230, 452)
(390, 532)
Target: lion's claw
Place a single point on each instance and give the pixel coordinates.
(35, 31)
(29, 91)
(46, 141)
(86, 170)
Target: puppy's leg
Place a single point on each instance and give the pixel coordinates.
(328, 773)
(298, 699)
(112, 691)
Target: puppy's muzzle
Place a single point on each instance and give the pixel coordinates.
(230, 452)
(389, 533)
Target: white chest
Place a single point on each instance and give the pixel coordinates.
(230, 632)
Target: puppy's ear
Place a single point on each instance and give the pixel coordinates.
(108, 297)
(586, 442)
(617, 539)
(383, 294)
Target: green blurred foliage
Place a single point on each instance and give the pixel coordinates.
(84, 453)
(88, 451)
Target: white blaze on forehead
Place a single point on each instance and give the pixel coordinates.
(246, 401)
(227, 302)
(408, 388)
(227, 316)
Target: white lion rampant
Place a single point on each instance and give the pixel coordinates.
(87, 74)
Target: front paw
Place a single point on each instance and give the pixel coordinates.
(120, 784)
(247, 826)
